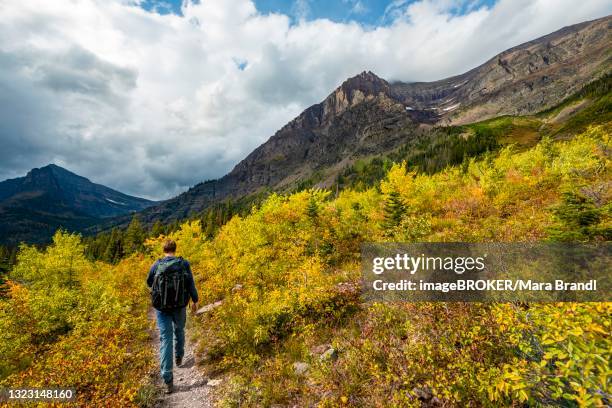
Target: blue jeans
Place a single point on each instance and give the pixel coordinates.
(170, 323)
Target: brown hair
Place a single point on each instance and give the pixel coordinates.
(169, 246)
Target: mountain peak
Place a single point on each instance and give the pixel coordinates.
(54, 172)
(49, 168)
(366, 82)
(368, 76)
(361, 87)
(55, 167)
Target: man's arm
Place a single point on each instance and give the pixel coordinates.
(151, 275)
(193, 292)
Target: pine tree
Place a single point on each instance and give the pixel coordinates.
(134, 236)
(209, 224)
(312, 212)
(393, 212)
(4, 258)
(114, 250)
(578, 220)
(4, 268)
(227, 213)
(312, 209)
(13, 256)
(96, 246)
(157, 229)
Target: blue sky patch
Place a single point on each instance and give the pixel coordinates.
(162, 6)
(241, 64)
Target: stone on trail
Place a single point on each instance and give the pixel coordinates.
(330, 355)
(214, 383)
(321, 348)
(209, 307)
(300, 367)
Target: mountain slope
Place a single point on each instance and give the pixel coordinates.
(522, 80)
(366, 115)
(47, 198)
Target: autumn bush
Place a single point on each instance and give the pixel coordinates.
(69, 322)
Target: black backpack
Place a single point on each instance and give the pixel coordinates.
(169, 289)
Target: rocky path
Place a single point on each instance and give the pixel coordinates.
(191, 388)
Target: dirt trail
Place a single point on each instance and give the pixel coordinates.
(190, 385)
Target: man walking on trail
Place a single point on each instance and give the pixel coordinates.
(171, 283)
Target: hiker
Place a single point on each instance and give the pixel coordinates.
(171, 284)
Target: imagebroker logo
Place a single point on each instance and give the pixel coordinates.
(485, 285)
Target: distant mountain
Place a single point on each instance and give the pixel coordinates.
(367, 115)
(33, 207)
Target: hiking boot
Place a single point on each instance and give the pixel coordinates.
(179, 361)
(169, 388)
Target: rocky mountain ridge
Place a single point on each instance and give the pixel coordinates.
(522, 80)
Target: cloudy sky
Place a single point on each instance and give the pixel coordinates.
(150, 97)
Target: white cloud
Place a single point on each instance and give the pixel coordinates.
(356, 7)
(301, 9)
(151, 104)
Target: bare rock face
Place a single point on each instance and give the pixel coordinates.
(363, 87)
(366, 115)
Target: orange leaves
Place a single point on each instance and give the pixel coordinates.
(96, 361)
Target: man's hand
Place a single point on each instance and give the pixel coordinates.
(194, 307)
